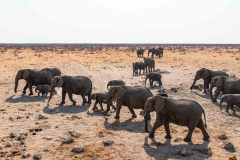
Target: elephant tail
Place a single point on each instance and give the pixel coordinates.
(205, 124)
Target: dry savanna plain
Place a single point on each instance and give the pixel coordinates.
(31, 128)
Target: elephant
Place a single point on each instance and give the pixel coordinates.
(138, 66)
(130, 96)
(140, 53)
(231, 100)
(32, 78)
(101, 98)
(225, 85)
(157, 52)
(150, 64)
(183, 112)
(53, 71)
(154, 76)
(43, 89)
(115, 83)
(206, 75)
(79, 85)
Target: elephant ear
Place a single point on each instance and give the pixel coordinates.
(57, 82)
(25, 74)
(219, 81)
(158, 103)
(116, 92)
(149, 106)
(206, 74)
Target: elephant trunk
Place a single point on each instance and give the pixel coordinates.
(193, 84)
(221, 101)
(51, 93)
(16, 85)
(146, 119)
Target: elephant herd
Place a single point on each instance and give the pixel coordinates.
(183, 112)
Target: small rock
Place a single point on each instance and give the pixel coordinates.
(11, 119)
(74, 134)
(222, 137)
(15, 151)
(46, 150)
(108, 142)
(40, 117)
(173, 89)
(25, 155)
(233, 158)
(229, 146)
(12, 135)
(74, 117)
(77, 149)
(67, 140)
(177, 139)
(22, 109)
(186, 152)
(37, 157)
(19, 117)
(8, 144)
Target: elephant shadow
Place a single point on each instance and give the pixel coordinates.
(71, 109)
(98, 112)
(128, 125)
(207, 96)
(139, 75)
(168, 151)
(161, 71)
(25, 99)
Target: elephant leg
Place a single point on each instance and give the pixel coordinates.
(25, 88)
(191, 128)
(232, 107)
(157, 124)
(71, 98)
(101, 106)
(30, 89)
(38, 93)
(206, 85)
(84, 99)
(167, 129)
(111, 104)
(63, 97)
(200, 125)
(119, 106)
(228, 106)
(89, 99)
(95, 105)
(132, 112)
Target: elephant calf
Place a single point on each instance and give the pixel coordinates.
(132, 97)
(42, 89)
(231, 100)
(225, 85)
(183, 112)
(79, 85)
(138, 67)
(115, 83)
(206, 75)
(101, 98)
(154, 76)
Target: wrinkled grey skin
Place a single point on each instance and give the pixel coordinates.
(231, 100)
(140, 53)
(132, 97)
(53, 71)
(34, 77)
(79, 85)
(183, 112)
(150, 64)
(138, 67)
(43, 89)
(101, 98)
(115, 83)
(154, 76)
(206, 75)
(157, 52)
(225, 85)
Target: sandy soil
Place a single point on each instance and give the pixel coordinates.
(44, 135)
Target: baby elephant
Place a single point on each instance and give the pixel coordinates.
(101, 98)
(231, 100)
(42, 89)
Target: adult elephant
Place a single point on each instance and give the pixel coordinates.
(150, 64)
(183, 112)
(140, 53)
(138, 66)
(154, 76)
(157, 52)
(132, 97)
(225, 85)
(35, 77)
(79, 85)
(53, 71)
(206, 75)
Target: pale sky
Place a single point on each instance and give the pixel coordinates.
(119, 21)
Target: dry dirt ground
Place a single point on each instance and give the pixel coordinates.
(23, 131)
